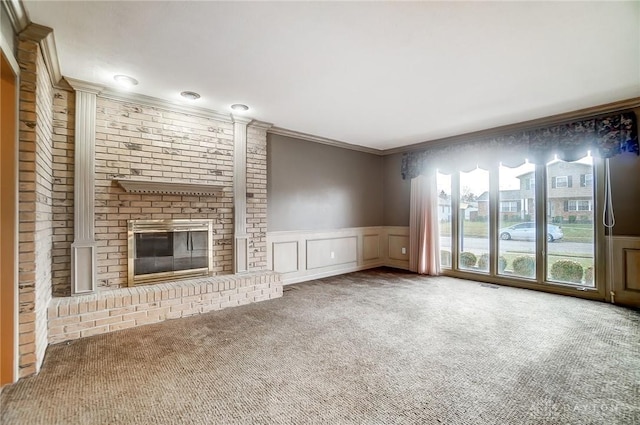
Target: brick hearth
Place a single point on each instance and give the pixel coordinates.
(107, 311)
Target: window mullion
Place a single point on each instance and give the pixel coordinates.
(494, 200)
(541, 221)
(455, 222)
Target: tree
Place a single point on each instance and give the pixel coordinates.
(467, 195)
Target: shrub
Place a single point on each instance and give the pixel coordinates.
(557, 219)
(527, 217)
(445, 257)
(467, 259)
(588, 276)
(572, 218)
(567, 271)
(524, 266)
(483, 262)
(502, 263)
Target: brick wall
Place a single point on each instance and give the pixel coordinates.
(63, 172)
(132, 140)
(257, 197)
(140, 141)
(35, 205)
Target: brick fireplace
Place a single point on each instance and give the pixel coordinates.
(77, 143)
(127, 160)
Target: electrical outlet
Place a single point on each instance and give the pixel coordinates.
(404, 250)
(333, 255)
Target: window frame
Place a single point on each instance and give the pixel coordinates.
(540, 282)
(577, 203)
(566, 182)
(509, 210)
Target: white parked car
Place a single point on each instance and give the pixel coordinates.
(527, 231)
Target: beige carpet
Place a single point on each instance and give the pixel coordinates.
(374, 347)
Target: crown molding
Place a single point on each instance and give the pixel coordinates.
(240, 119)
(580, 114)
(79, 85)
(323, 140)
(262, 125)
(18, 15)
(44, 37)
(155, 102)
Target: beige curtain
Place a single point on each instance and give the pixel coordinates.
(424, 234)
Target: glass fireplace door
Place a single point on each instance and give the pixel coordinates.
(163, 249)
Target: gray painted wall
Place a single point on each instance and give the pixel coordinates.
(312, 186)
(397, 192)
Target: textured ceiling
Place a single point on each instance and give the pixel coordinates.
(380, 74)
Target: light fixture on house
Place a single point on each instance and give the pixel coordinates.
(239, 107)
(125, 80)
(190, 95)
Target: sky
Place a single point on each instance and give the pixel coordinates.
(477, 181)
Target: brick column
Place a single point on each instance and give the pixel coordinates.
(83, 249)
(240, 236)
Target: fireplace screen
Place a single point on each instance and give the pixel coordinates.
(166, 249)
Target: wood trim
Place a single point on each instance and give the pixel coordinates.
(169, 187)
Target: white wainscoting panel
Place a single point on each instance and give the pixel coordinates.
(371, 247)
(307, 255)
(285, 256)
(397, 254)
(626, 269)
(331, 252)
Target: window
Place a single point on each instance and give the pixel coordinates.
(586, 180)
(473, 220)
(516, 233)
(570, 231)
(560, 181)
(579, 205)
(530, 183)
(509, 206)
(444, 215)
(518, 241)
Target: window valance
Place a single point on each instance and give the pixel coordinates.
(603, 136)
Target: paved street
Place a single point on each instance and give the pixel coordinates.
(481, 245)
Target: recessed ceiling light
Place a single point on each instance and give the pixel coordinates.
(239, 107)
(125, 80)
(191, 95)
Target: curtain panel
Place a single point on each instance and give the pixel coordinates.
(603, 136)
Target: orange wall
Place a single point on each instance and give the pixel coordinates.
(7, 221)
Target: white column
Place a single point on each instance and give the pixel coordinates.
(240, 237)
(83, 249)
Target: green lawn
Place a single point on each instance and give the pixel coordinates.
(480, 229)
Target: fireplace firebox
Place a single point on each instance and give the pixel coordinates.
(161, 250)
